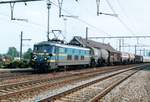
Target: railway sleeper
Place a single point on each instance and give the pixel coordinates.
(2, 92)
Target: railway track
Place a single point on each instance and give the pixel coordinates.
(13, 89)
(13, 74)
(8, 75)
(16, 77)
(93, 90)
(26, 89)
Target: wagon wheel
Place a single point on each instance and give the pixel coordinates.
(93, 63)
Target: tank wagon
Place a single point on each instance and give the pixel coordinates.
(132, 58)
(99, 56)
(49, 55)
(114, 57)
(124, 57)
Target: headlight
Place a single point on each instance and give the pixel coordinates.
(34, 57)
(46, 58)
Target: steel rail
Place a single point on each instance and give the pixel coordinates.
(58, 96)
(47, 79)
(15, 92)
(109, 88)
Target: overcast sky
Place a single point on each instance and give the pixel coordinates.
(134, 13)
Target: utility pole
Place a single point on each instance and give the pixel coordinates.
(65, 26)
(140, 51)
(60, 2)
(98, 4)
(48, 19)
(100, 13)
(12, 5)
(144, 51)
(135, 49)
(21, 43)
(119, 44)
(123, 44)
(86, 33)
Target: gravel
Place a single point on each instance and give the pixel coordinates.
(134, 89)
(54, 91)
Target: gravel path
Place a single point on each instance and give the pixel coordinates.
(134, 89)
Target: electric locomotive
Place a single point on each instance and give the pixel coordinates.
(49, 55)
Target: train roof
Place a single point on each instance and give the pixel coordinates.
(77, 40)
(61, 45)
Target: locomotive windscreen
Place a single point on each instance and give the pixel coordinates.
(43, 48)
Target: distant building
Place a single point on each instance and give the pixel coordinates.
(77, 40)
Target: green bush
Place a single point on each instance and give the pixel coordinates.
(1, 65)
(18, 64)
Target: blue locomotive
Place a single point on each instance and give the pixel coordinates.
(49, 55)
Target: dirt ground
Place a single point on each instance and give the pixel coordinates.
(134, 89)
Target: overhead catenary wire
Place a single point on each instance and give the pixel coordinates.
(122, 9)
(124, 13)
(79, 19)
(90, 25)
(119, 19)
(33, 24)
(122, 20)
(83, 21)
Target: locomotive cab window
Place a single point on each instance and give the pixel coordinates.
(43, 48)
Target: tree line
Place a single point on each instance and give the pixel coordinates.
(13, 53)
(12, 58)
